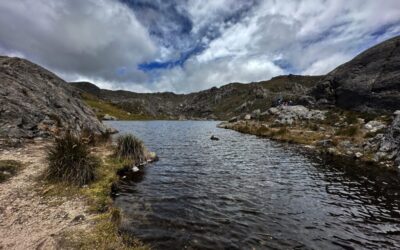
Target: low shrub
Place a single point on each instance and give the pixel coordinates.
(70, 161)
(9, 168)
(351, 118)
(130, 147)
(332, 117)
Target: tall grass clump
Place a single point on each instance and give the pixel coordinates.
(70, 161)
(130, 147)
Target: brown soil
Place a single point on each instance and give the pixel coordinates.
(29, 218)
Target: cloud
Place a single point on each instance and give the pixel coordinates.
(90, 39)
(309, 37)
(191, 45)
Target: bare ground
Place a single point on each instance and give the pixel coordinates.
(28, 218)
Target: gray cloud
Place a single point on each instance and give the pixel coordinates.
(91, 39)
(105, 40)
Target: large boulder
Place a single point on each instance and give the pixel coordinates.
(369, 82)
(36, 103)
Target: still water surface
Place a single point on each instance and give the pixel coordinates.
(244, 192)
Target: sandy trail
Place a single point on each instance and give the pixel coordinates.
(28, 220)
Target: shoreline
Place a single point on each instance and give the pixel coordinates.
(322, 139)
(40, 214)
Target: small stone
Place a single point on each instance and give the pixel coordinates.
(358, 155)
(78, 218)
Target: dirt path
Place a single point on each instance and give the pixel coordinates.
(28, 220)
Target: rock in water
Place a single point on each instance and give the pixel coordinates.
(369, 82)
(135, 169)
(36, 103)
(214, 138)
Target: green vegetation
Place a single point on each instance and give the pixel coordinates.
(102, 108)
(70, 161)
(104, 234)
(130, 147)
(9, 168)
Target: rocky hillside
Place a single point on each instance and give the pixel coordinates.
(216, 103)
(369, 82)
(36, 103)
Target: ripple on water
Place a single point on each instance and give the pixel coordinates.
(245, 192)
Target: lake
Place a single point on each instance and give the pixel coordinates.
(245, 192)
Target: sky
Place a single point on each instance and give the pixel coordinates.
(190, 45)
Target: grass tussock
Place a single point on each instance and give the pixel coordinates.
(70, 161)
(130, 147)
(104, 234)
(9, 168)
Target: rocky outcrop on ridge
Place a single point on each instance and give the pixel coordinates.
(36, 103)
(215, 103)
(369, 82)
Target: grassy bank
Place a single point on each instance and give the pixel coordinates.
(95, 191)
(341, 134)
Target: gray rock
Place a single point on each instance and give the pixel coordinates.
(247, 117)
(289, 114)
(256, 114)
(108, 117)
(373, 126)
(325, 143)
(234, 119)
(368, 82)
(36, 103)
(358, 155)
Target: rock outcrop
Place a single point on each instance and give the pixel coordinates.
(369, 82)
(36, 103)
(289, 114)
(388, 144)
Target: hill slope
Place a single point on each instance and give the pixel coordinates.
(35, 102)
(369, 82)
(215, 103)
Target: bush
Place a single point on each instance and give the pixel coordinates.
(130, 147)
(70, 161)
